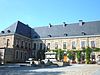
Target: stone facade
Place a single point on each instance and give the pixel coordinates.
(19, 41)
(15, 48)
(77, 40)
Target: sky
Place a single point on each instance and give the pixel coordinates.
(37, 13)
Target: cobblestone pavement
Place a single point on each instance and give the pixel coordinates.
(76, 69)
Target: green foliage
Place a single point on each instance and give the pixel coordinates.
(59, 53)
(79, 56)
(96, 49)
(69, 54)
(88, 52)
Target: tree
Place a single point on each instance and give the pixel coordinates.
(79, 56)
(59, 54)
(88, 53)
(69, 54)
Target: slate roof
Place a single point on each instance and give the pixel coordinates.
(88, 28)
(19, 28)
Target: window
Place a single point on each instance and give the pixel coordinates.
(65, 34)
(25, 56)
(49, 36)
(83, 33)
(82, 44)
(26, 45)
(34, 46)
(16, 54)
(48, 46)
(40, 46)
(64, 45)
(8, 31)
(4, 41)
(22, 44)
(93, 44)
(17, 43)
(8, 42)
(2, 32)
(29, 45)
(56, 45)
(21, 55)
(43, 46)
(73, 45)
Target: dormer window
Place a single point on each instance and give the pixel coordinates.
(35, 37)
(8, 31)
(2, 32)
(65, 34)
(49, 35)
(81, 22)
(50, 25)
(83, 33)
(64, 24)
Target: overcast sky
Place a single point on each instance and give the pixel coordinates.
(42, 12)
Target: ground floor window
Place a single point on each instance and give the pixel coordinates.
(16, 54)
(21, 55)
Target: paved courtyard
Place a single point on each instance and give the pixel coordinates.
(76, 69)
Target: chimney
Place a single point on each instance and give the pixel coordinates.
(80, 22)
(50, 25)
(64, 24)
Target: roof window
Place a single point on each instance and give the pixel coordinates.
(49, 35)
(8, 31)
(65, 34)
(50, 25)
(2, 32)
(83, 33)
(64, 24)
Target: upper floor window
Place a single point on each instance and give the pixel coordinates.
(93, 44)
(82, 44)
(4, 41)
(26, 45)
(29, 45)
(73, 45)
(22, 43)
(17, 42)
(8, 42)
(56, 45)
(34, 46)
(64, 45)
(40, 46)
